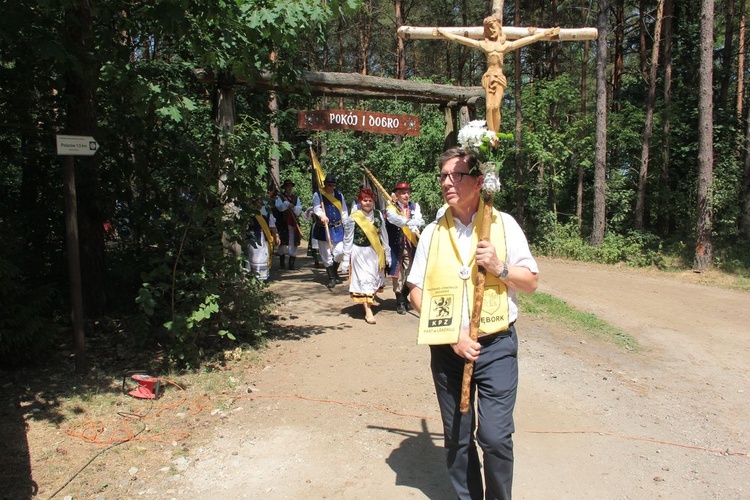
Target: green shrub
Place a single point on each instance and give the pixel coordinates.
(638, 249)
(196, 292)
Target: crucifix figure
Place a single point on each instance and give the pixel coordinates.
(494, 41)
(496, 45)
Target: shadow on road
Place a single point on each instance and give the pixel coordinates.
(419, 463)
(15, 463)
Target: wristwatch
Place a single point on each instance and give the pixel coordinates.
(504, 272)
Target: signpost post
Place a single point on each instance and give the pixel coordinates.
(70, 146)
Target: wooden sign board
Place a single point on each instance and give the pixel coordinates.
(367, 121)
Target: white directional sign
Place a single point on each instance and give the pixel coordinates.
(76, 145)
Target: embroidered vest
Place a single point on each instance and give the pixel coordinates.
(367, 233)
(333, 213)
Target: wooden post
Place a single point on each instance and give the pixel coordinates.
(74, 263)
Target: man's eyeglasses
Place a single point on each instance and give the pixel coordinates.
(455, 177)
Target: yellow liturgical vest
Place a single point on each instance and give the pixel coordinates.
(444, 289)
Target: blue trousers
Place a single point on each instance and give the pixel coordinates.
(494, 386)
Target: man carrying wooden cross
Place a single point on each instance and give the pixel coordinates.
(467, 269)
(442, 281)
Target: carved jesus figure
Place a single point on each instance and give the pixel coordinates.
(496, 45)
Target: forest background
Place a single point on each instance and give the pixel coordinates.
(607, 163)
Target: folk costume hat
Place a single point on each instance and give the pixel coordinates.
(402, 185)
(330, 179)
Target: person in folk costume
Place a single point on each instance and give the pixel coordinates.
(262, 236)
(349, 236)
(370, 253)
(336, 214)
(312, 244)
(404, 218)
(442, 285)
(288, 207)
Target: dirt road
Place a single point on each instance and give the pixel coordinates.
(343, 409)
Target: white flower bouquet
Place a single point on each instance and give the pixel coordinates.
(483, 143)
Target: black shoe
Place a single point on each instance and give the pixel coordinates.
(282, 261)
(291, 262)
(408, 306)
(331, 277)
(400, 303)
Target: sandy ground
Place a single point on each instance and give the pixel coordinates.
(342, 409)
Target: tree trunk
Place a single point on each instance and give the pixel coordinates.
(705, 216)
(225, 116)
(584, 68)
(80, 92)
(517, 130)
(745, 215)
(554, 47)
(643, 45)
(727, 55)
(664, 209)
(741, 66)
(400, 56)
(273, 129)
(744, 221)
(365, 33)
(600, 155)
(619, 57)
(400, 49)
(340, 40)
(640, 204)
(554, 122)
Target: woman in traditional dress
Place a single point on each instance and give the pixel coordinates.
(370, 253)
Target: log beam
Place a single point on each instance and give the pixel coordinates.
(356, 86)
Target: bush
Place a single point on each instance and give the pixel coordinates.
(196, 291)
(636, 249)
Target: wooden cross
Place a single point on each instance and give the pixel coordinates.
(495, 41)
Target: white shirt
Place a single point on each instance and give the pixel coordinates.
(518, 254)
(282, 205)
(415, 222)
(318, 210)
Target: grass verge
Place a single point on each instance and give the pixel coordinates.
(549, 308)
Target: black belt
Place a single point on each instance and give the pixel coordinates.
(492, 336)
(334, 224)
